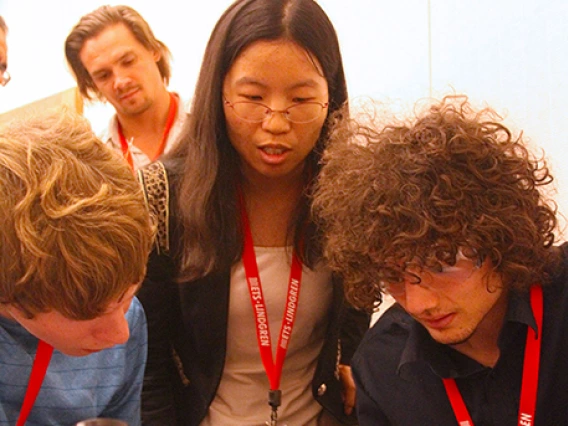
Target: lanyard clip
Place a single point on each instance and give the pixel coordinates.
(274, 398)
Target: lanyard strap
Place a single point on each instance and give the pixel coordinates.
(457, 403)
(527, 405)
(39, 367)
(532, 361)
(125, 146)
(273, 368)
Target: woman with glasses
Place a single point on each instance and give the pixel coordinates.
(246, 324)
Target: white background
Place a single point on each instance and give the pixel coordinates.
(509, 54)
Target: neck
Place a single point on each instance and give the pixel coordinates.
(271, 204)
(483, 344)
(5, 311)
(277, 189)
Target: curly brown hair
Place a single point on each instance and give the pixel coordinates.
(453, 178)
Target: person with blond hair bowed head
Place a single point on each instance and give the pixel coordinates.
(247, 326)
(74, 243)
(448, 213)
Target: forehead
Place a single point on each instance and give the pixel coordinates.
(276, 63)
(109, 45)
(118, 303)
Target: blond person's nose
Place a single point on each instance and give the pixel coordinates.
(114, 329)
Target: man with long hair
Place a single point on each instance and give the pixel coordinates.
(115, 57)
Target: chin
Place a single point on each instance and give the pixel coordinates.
(450, 337)
(76, 352)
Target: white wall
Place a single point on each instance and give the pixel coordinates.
(509, 54)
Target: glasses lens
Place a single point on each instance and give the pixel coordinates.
(392, 283)
(304, 112)
(461, 271)
(251, 111)
(255, 112)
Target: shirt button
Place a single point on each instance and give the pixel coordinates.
(322, 389)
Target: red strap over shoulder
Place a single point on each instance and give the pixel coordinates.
(39, 368)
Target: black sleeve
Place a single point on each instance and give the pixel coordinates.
(158, 296)
(368, 413)
(354, 325)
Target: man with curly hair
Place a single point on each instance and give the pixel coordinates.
(448, 215)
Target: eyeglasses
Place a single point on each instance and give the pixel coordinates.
(437, 277)
(256, 112)
(4, 75)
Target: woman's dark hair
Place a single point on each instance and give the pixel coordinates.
(206, 162)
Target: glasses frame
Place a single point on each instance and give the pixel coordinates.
(452, 273)
(270, 112)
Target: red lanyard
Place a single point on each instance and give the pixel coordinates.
(531, 364)
(273, 369)
(39, 367)
(125, 147)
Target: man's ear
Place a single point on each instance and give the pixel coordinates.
(157, 55)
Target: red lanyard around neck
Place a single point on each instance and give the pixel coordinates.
(39, 368)
(527, 405)
(125, 146)
(273, 368)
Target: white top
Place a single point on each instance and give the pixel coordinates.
(110, 136)
(242, 397)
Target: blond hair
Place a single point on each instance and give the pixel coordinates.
(75, 231)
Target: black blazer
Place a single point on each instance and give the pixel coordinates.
(187, 332)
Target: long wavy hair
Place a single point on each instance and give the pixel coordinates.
(453, 180)
(206, 163)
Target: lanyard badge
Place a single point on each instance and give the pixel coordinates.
(272, 367)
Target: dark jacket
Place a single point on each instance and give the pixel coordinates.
(187, 332)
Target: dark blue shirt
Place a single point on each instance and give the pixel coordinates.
(398, 369)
